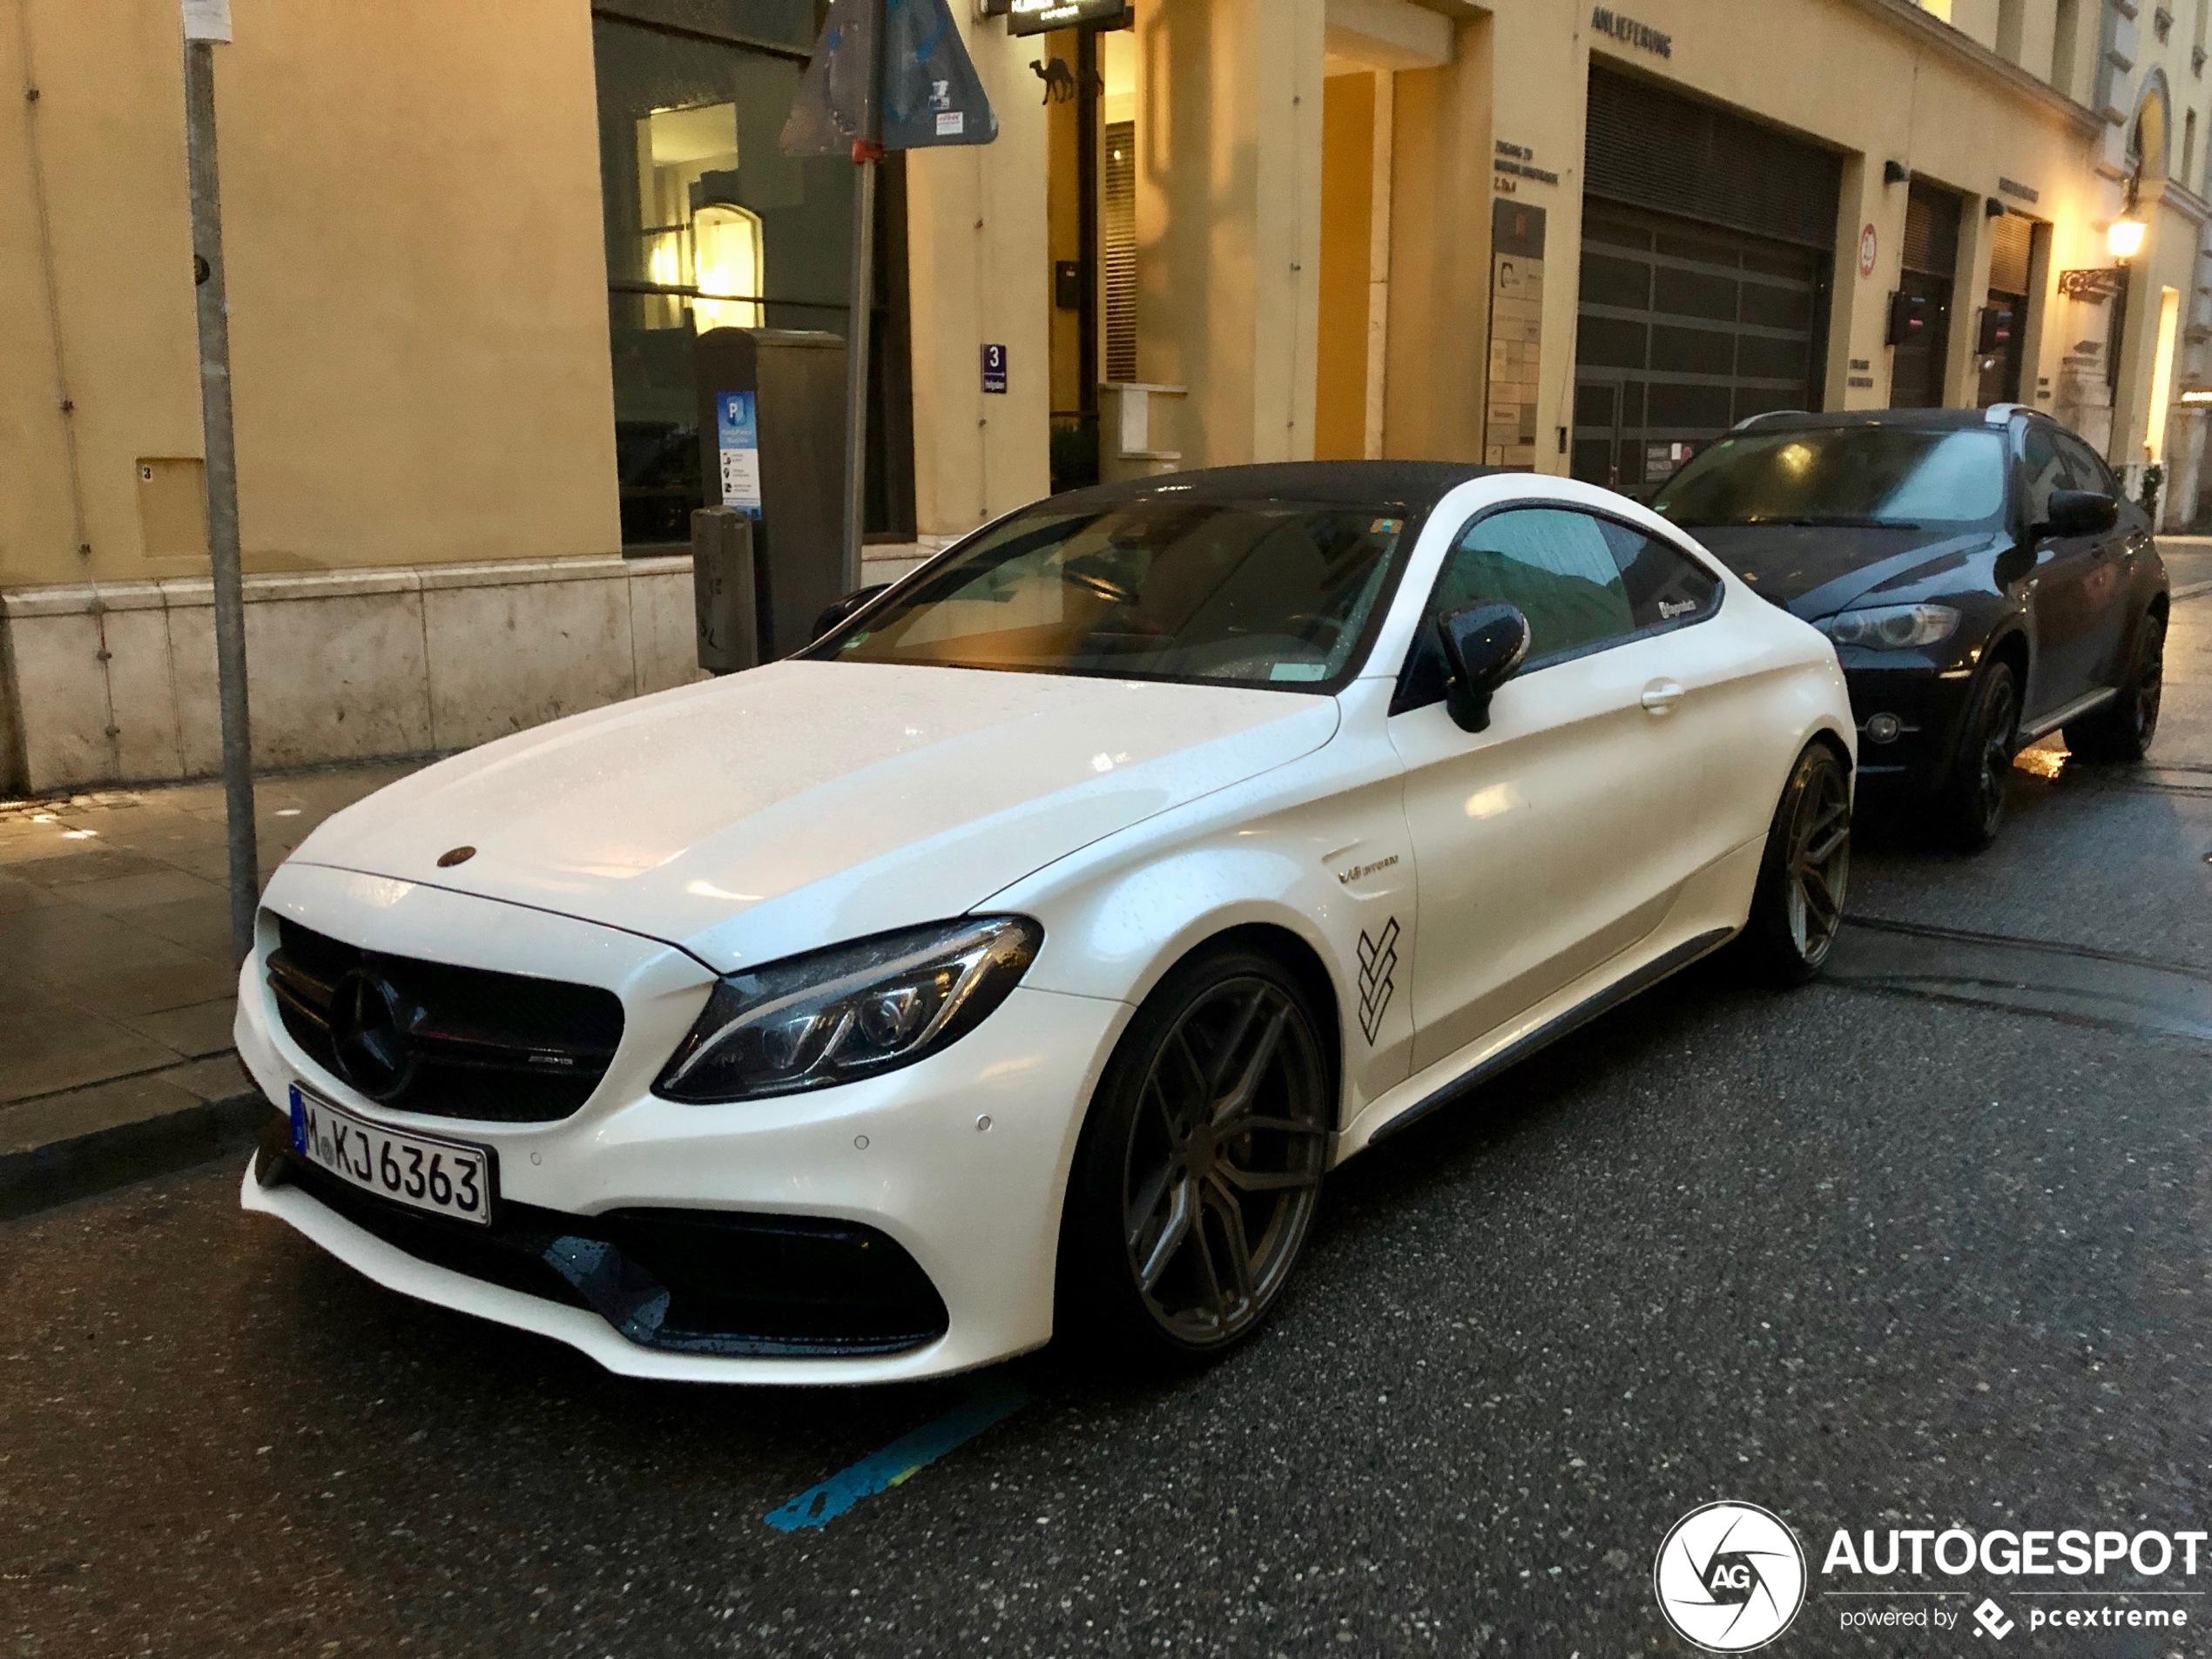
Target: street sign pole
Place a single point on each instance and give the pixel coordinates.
(859, 328)
(221, 464)
(884, 75)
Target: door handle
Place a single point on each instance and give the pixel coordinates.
(1661, 696)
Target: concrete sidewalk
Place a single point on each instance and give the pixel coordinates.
(117, 987)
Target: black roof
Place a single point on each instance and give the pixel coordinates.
(1412, 486)
(1913, 419)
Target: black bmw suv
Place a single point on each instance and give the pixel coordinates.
(1981, 574)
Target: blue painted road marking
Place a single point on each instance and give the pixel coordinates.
(990, 1401)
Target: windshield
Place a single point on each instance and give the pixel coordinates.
(1857, 474)
(1251, 593)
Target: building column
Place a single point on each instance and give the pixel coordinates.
(1857, 375)
(1969, 295)
(1436, 346)
(979, 271)
(1228, 220)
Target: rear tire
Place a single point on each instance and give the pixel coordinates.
(2122, 729)
(1970, 807)
(1199, 1170)
(1798, 908)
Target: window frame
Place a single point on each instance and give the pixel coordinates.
(1404, 697)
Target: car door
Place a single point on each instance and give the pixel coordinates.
(1556, 838)
(2061, 601)
(2109, 577)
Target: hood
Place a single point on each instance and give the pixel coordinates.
(804, 802)
(1814, 571)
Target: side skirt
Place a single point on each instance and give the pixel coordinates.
(1550, 1032)
(2031, 730)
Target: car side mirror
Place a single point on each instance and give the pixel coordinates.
(2079, 512)
(1483, 644)
(838, 610)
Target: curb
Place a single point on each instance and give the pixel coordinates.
(61, 1172)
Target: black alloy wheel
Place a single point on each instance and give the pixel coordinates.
(1970, 807)
(1804, 878)
(1200, 1171)
(2122, 729)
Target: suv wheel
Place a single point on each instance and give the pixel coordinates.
(2122, 729)
(1970, 807)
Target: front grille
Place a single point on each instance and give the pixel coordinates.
(683, 1281)
(467, 1043)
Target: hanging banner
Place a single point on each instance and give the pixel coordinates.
(926, 91)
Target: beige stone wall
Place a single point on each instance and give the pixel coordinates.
(1228, 222)
(979, 269)
(418, 307)
(342, 665)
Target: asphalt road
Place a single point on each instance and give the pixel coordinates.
(1867, 1256)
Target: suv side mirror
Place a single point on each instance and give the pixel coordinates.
(2079, 512)
(839, 610)
(1483, 644)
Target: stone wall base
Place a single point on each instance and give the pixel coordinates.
(116, 683)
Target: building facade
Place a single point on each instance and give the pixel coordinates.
(470, 251)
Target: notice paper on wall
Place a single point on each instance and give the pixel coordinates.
(737, 439)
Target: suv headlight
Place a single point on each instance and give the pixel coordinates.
(1892, 627)
(850, 1011)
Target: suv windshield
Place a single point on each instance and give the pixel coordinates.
(1892, 475)
(1253, 593)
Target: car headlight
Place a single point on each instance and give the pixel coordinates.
(850, 1011)
(1893, 627)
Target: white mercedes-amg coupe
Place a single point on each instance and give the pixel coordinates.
(1021, 956)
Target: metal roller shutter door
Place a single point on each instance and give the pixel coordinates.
(1707, 243)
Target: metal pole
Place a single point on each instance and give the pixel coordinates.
(859, 318)
(862, 317)
(222, 477)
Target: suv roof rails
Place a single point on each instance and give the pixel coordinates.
(1764, 414)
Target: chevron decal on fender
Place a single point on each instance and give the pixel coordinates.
(1378, 964)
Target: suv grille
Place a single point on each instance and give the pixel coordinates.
(448, 1042)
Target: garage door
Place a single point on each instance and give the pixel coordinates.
(1685, 329)
(1707, 241)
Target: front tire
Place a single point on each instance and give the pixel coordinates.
(1970, 807)
(2122, 729)
(1199, 1170)
(1798, 908)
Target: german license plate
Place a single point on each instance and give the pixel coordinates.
(446, 1177)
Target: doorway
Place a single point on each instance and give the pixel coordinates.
(1086, 79)
(2004, 317)
(1931, 264)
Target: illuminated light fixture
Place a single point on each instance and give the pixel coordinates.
(2196, 397)
(2125, 237)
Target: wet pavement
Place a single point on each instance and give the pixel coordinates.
(1923, 1245)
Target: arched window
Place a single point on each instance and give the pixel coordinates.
(726, 259)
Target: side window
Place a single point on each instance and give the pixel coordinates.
(2046, 472)
(1556, 565)
(1583, 582)
(1664, 583)
(2085, 469)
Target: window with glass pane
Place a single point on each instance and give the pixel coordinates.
(1556, 565)
(709, 225)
